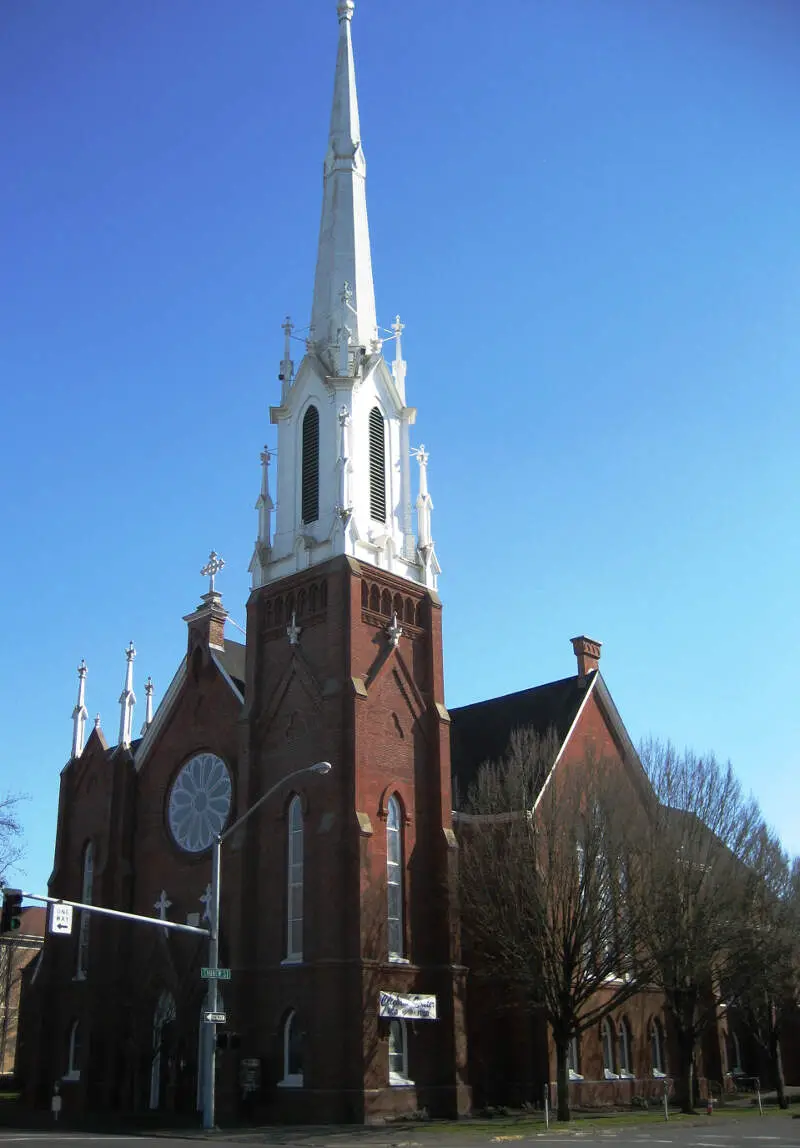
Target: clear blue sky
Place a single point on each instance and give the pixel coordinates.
(586, 212)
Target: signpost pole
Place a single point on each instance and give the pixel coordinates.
(212, 999)
(209, 1058)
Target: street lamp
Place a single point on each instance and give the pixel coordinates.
(213, 948)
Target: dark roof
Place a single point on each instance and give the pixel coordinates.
(481, 732)
(233, 659)
(33, 919)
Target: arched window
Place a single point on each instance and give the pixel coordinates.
(398, 1053)
(607, 1038)
(164, 1014)
(310, 466)
(657, 1048)
(74, 1052)
(624, 1048)
(377, 466)
(87, 884)
(573, 1059)
(736, 1049)
(294, 882)
(394, 878)
(292, 1053)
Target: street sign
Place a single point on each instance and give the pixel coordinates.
(61, 919)
(215, 974)
(216, 1017)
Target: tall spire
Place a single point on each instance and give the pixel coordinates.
(127, 700)
(79, 714)
(343, 255)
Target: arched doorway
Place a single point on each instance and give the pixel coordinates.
(163, 1020)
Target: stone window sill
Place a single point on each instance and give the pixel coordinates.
(398, 1081)
(295, 1081)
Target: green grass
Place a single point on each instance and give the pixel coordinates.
(522, 1126)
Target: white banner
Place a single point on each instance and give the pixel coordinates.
(407, 1006)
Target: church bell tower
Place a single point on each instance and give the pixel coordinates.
(348, 919)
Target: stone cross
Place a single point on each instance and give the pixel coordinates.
(394, 631)
(205, 901)
(212, 568)
(293, 631)
(162, 904)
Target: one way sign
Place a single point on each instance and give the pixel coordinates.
(61, 919)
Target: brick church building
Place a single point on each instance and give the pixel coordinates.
(339, 901)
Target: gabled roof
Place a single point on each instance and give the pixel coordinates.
(232, 660)
(480, 732)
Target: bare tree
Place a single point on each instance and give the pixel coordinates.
(694, 882)
(764, 982)
(11, 848)
(543, 875)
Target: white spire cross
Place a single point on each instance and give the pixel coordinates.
(211, 569)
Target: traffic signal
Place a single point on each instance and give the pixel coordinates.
(12, 911)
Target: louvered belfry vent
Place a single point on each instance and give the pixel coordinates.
(310, 497)
(377, 466)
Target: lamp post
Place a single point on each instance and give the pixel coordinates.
(213, 948)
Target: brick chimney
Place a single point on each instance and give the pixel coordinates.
(587, 651)
(207, 624)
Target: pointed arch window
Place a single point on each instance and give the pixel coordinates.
(74, 1052)
(657, 1048)
(164, 1014)
(394, 878)
(377, 466)
(293, 1067)
(607, 1039)
(398, 1053)
(309, 511)
(294, 890)
(624, 1048)
(87, 885)
(573, 1058)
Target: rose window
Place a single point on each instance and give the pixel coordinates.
(199, 802)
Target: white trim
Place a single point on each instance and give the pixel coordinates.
(565, 742)
(237, 693)
(162, 713)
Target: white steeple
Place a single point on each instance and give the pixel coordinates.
(79, 714)
(343, 255)
(343, 459)
(127, 700)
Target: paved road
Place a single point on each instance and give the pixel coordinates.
(720, 1132)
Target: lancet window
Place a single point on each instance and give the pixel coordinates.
(309, 511)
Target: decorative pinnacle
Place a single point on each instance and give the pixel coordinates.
(345, 9)
(82, 668)
(211, 569)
